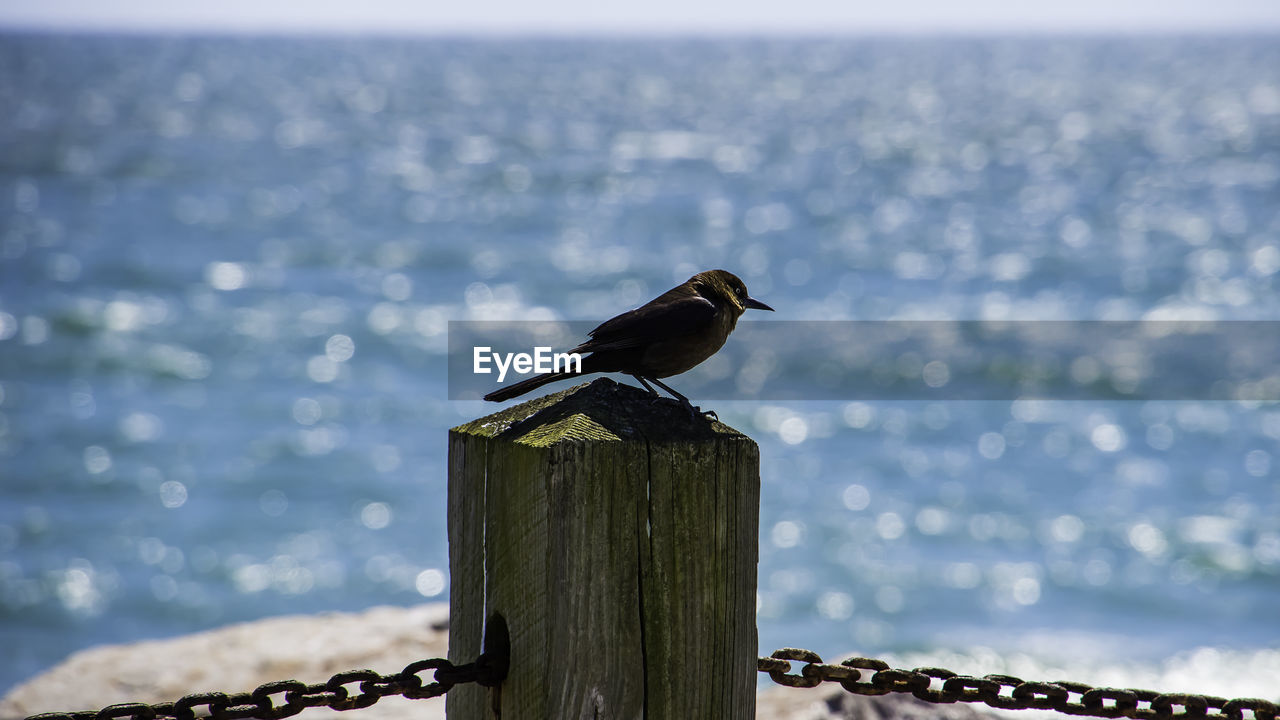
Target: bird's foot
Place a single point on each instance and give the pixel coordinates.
(696, 412)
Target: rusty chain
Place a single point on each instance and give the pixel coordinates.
(489, 670)
(285, 698)
(1071, 698)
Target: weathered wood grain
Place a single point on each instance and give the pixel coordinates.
(618, 537)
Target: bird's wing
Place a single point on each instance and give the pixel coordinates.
(668, 316)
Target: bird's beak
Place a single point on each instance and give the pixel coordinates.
(754, 303)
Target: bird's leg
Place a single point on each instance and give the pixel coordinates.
(674, 394)
(693, 409)
(647, 386)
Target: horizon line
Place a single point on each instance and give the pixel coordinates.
(1081, 31)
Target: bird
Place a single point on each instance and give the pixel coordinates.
(666, 336)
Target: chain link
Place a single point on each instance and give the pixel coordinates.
(347, 690)
(938, 685)
(354, 689)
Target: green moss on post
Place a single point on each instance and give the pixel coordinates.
(619, 538)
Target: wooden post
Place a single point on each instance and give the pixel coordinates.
(618, 537)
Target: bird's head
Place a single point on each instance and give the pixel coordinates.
(726, 286)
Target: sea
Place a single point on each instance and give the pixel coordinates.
(228, 268)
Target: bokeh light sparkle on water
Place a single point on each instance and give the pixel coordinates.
(227, 268)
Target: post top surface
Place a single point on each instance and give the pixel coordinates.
(601, 410)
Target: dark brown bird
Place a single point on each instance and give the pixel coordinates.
(667, 336)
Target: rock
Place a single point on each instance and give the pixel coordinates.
(311, 648)
(239, 658)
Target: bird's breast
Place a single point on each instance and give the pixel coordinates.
(673, 356)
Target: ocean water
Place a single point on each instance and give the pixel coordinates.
(227, 268)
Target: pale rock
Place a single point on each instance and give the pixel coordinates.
(312, 648)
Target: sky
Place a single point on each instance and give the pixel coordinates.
(648, 17)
